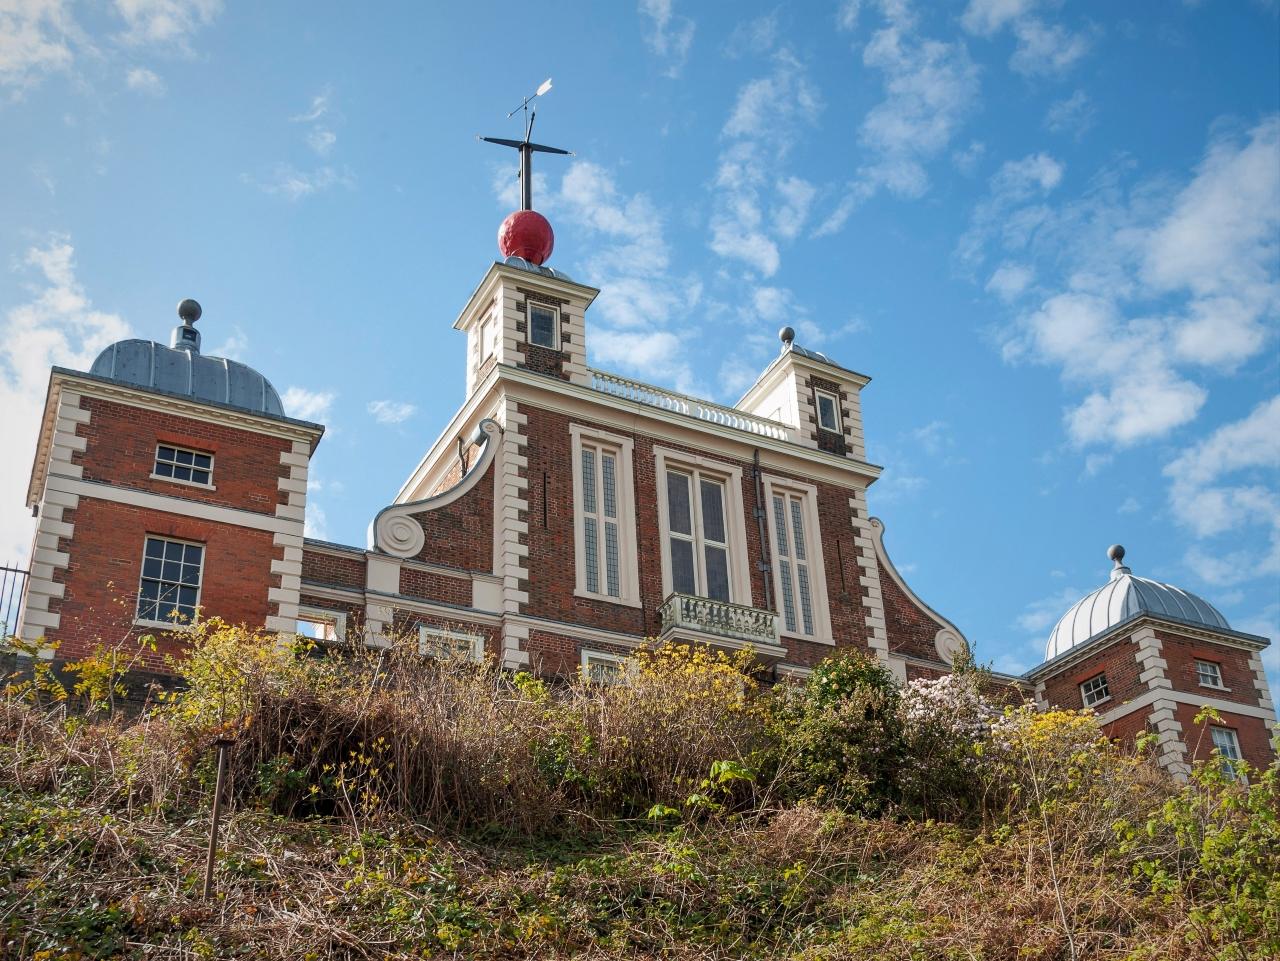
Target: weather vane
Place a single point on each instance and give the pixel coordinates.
(526, 147)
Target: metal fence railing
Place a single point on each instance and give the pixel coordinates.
(13, 582)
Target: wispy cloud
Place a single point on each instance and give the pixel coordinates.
(1139, 290)
(166, 21)
(286, 180)
(56, 324)
(145, 81)
(1073, 115)
(305, 404)
(1043, 48)
(931, 87)
(669, 35)
(391, 411)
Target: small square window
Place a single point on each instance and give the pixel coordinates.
(1209, 674)
(1095, 691)
(444, 644)
(599, 667)
(828, 411)
(544, 326)
(169, 585)
(181, 464)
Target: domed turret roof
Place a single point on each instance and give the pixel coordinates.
(181, 369)
(1123, 597)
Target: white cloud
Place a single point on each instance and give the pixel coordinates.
(1130, 505)
(753, 36)
(1137, 290)
(847, 14)
(144, 81)
(1074, 115)
(934, 436)
(56, 325)
(234, 347)
(36, 37)
(316, 524)
(166, 21)
(766, 120)
(1010, 280)
(1042, 48)
(319, 107)
(294, 184)
(1039, 616)
(321, 140)
(307, 404)
(670, 35)
(391, 411)
(930, 89)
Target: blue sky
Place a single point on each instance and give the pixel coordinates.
(1049, 231)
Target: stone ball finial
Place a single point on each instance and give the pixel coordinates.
(189, 311)
(1116, 553)
(787, 335)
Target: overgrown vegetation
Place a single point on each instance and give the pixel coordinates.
(385, 805)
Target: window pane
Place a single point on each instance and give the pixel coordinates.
(788, 595)
(150, 590)
(147, 610)
(187, 597)
(182, 473)
(200, 476)
(717, 573)
(588, 480)
(172, 551)
(591, 548)
(780, 526)
(797, 527)
(542, 326)
(678, 503)
(184, 456)
(713, 511)
(608, 466)
(682, 579)
(155, 547)
(171, 570)
(827, 413)
(611, 559)
(151, 567)
(806, 604)
(203, 461)
(192, 553)
(164, 470)
(165, 453)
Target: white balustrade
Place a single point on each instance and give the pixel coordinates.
(705, 615)
(651, 396)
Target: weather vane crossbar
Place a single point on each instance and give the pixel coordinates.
(526, 147)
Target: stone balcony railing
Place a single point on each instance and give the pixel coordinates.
(651, 396)
(719, 618)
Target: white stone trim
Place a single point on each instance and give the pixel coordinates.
(822, 633)
(735, 516)
(510, 557)
(628, 560)
(170, 504)
(864, 541)
(394, 531)
(1265, 701)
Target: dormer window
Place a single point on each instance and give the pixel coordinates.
(183, 465)
(544, 326)
(828, 411)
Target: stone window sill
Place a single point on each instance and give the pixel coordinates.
(1215, 687)
(1101, 700)
(165, 626)
(605, 598)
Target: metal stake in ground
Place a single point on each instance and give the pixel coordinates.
(223, 744)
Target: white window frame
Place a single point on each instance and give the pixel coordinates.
(169, 624)
(449, 640)
(1085, 695)
(735, 516)
(808, 494)
(818, 394)
(1217, 684)
(319, 615)
(530, 306)
(1230, 762)
(628, 566)
(625, 665)
(178, 480)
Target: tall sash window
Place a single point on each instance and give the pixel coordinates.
(793, 562)
(698, 537)
(604, 517)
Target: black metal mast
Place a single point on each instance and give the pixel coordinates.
(526, 147)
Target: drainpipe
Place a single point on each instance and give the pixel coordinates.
(763, 563)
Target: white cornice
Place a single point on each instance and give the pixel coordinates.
(1182, 697)
(778, 368)
(569, 289)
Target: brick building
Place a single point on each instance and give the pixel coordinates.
(563, 516)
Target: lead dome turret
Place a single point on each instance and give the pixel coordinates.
(1123, 597)
(181, 369)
